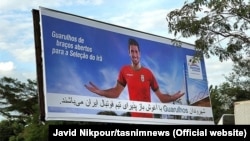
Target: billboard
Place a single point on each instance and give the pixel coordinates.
(96, 71)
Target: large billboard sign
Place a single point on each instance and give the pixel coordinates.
(95, 71)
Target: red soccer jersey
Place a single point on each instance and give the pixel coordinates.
(139, 83)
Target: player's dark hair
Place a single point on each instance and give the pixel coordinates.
(133, 42)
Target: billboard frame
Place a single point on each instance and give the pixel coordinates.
(40, 71)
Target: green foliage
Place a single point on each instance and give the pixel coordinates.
(220, 27)
(222, 103)
(240, 77)
(16, 98)
(35, 132)
(19, 105)
(223, 98)
(10, 129)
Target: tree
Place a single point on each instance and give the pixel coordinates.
(222, 99)
(11, 130)
(240, 77)
(224, 96)
(18, 100)
(220, 26)
(221, 29)
(19, 105)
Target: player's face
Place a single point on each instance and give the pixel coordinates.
(134, 54)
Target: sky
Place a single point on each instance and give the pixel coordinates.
(17, 51)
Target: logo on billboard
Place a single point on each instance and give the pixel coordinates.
(194, 68)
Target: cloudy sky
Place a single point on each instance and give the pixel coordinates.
(17, 52)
